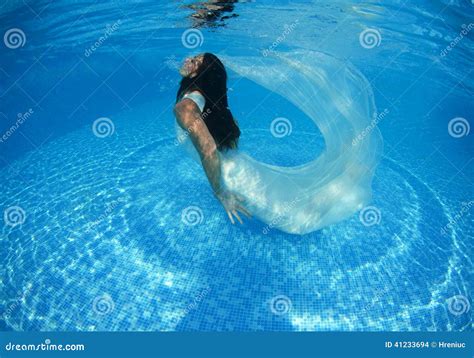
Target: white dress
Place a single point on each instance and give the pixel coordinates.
(334, 185)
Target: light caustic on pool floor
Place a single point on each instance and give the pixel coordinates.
(115, 237)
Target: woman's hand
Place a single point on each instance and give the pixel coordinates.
(232, 204)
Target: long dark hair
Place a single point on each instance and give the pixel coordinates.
(211, 81)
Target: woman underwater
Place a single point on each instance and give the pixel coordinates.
(300, 199)
(202, 110)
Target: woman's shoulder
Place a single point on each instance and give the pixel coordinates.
(197, 98)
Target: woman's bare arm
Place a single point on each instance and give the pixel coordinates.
(189, 118)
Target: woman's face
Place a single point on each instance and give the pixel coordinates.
(191, 66)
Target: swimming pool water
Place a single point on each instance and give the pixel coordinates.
(113, 227)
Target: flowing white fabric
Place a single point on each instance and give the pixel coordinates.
(337, 183)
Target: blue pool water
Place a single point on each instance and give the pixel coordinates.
(118, 229)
